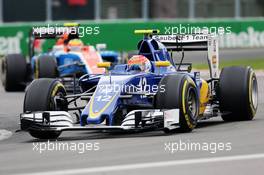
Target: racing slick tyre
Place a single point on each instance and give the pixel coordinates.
(45, 67)
(41, 95)
(13, 72)
(179, 92)
(238, 93)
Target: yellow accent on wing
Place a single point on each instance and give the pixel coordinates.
(96, 114)
(149, 31)
(162, 63)
(71, 24)
(204, 96)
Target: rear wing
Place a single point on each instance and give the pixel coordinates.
(51, 32)
(194, 42)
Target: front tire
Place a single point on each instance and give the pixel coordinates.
(13, 72)
(41, 95)
(238, 93)
(179, 93)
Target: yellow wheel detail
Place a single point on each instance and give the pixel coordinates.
(183, 97)
(36, 70)
(55, 90)
(186, 116)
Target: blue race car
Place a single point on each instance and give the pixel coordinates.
(151, 91)
(68, 58)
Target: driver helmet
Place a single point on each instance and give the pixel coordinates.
(75, 45)
(139, 63)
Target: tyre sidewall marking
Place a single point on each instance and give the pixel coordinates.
(36, 71)
(186, 116)
(56, 88)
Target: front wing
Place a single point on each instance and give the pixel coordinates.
(134, 120)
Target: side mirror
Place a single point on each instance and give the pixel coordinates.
(162, 63)
(104, 65)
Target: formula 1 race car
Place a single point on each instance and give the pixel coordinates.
(150, 92)
(68, 58)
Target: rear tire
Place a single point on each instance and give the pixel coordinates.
(238, 93)
(13, 72)
(45, 67)
(179, 93)
(40, 96)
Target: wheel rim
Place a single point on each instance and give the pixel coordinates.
(54, 102)
(191, 102)
(254, 92)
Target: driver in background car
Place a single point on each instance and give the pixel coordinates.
(61, 44)
(75, 45)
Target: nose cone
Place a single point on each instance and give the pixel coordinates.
(101, 106)
(105, 99)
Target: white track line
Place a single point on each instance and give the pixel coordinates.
(4, 134)
(150, 165)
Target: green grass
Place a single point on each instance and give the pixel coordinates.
(255, 63)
